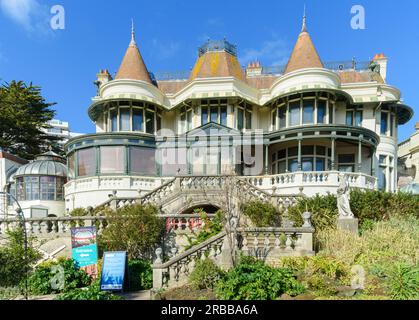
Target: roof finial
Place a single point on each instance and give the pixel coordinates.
(132, 34)
(304, 28)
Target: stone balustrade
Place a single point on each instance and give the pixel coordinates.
(186, 223)
(267, 244)
(293, 181)
(175, 272)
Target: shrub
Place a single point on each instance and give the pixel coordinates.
(403, 282)
(320, 274)
(140, 275)
(205, 275)
(9, 293)
(135, 229)
(40, 282)
(92, 292)
(324, 211)
(262, 214)
(252, 279)
(367, 206)
(212, 228)
(12, 258)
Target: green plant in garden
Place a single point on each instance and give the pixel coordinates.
(12, 258)
(212, 228)
(91, 292)
(9, 293)
(135, 229)
(140, 275)
(324, 211)
(40, 282)
(262, 214)
(403, 282)
(252, 279)
(205, 275)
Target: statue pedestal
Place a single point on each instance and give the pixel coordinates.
(349, 224)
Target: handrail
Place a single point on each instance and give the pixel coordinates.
(190, 251)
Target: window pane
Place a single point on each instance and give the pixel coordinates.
(346, 158)
(204, 115)
(295, 114)
(214, 114)
(282, 154)
(282, 118)
(281, 167)
(308, 111)
(321, 151)
(392, 125)
(112, 159)
(48, 188)
(198, 160)
(189, 119)
(114, 120)
(320, 164)
(248, 120)
(293, 152)
(331, 113)
(293, 165)
(143, 160)
(307, 164)
(149, 119)
(384, 123)
(137, 120)
(383, 159)
(346, 168)
(86, 162)
(223, 116)
(124, 115)
(70, 162)
(382, 183)
(240, 119)
(274, 119)
(173, 162)
(349, 118)
(307, 150)
(358, 118)
(60, 189)
(321, 111)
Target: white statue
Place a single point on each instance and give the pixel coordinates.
(343, 198)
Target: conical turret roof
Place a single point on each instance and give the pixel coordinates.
(133, 66)
(304, 54)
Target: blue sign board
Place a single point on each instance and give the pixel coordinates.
(84, 249)
(113, 271)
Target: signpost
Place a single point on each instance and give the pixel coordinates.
(113, 271)
(84, 249)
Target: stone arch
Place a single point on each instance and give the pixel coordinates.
(187, 208)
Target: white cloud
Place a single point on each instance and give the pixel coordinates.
(30, 14)
(165, 51)
(275, 51)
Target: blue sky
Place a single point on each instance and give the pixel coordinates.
(97, 32)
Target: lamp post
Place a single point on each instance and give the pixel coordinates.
(21, 216)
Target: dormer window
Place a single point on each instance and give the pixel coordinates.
(214, 111)
(244, 116)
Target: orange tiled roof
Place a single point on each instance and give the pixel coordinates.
(304, 54)
(217, 64)
(133, 66)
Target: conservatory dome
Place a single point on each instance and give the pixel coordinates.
(46, 164)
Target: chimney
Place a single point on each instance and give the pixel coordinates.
(103, 76)
(417, 126)
(382, 60)
(254, 69)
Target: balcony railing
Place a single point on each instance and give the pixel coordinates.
(276, 70)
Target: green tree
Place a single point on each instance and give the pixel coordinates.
(136, 229)
(12, 258)
(23, 113)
